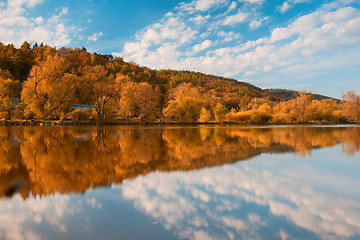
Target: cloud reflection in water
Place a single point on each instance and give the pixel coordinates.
(271, 196)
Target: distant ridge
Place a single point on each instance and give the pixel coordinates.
(286, 95)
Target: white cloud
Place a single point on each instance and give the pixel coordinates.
(257, 23)
(32, 3)
(204, 5)
(39, 20)
(232, 6)
(200, 5)
(228, 36)
(324, 34)
(95, 36)
(253, 1)
(169, 14)
(234, 19)
(20, 28)
(287, 5)
(201, 46)
(200, 19)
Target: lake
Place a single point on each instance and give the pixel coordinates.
(203, 182)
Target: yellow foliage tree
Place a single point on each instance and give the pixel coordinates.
(351, 106)
(219, 112)
(128, 105)
(300, 106)
(147, 100)
(105, 91)
(49, 90)
(205, 115)
(185, 104)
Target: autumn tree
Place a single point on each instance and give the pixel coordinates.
(147, 100)
(104, 89)
(49, 90)
(219, 112)
(255, 103)
(9, 89)
(300, 105)
(351, 106)
(128, 101)
(205, 115)
(323, 110)
(184, 105)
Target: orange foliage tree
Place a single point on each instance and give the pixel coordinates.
(49, 90)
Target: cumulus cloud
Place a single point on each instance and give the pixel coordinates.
(257, 23)
(204, 5)
(16, 27)
(228, 36)
(232, 6)
(200, 19)
(201, 46)
(234, 19)
(287, 5)
(325, 35)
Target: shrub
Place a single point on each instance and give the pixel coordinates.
(259, 117)
(282, 118)
(239, 116)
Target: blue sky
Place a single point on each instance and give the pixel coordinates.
(293, 44)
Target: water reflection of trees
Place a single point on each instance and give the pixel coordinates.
(73, 159)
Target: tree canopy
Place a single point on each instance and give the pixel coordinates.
(43, 82)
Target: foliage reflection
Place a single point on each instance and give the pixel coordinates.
(52, 160)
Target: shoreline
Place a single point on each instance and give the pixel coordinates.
(144, 123)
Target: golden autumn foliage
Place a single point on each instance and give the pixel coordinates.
(205, 115)
(9, 89)
(351, 106)
(104, 90)
(185, 103)
(49, 90)
(41, 82)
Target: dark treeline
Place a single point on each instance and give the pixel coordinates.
(43, 82)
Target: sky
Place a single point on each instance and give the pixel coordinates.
(311, 45)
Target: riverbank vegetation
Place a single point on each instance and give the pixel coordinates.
(45, 83)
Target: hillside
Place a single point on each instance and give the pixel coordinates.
(287, 95)
(44, 82)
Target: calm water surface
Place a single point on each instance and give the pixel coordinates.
(180, 182)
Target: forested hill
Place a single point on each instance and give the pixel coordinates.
(287, 95)
(20, 61)
(44, 82)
